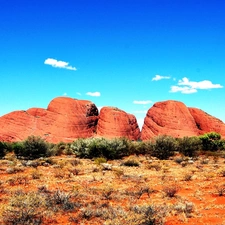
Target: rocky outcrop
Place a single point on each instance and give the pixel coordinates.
(170, 118)
(65, 119)
(175, 119)
(207, 123)
(114, 122)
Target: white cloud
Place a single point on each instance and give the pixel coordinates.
(183, 90)
(159, 77)
(145, 102)
(65, 94)
(58, 64)
(78, 93)
(94, 94)
(188, 87)
(205, 84)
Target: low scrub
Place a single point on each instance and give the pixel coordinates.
(188, 146)
(32, 148)
(163, 147)
(101, 147)
(3, 148)
(212, 142)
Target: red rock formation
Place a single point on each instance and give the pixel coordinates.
(170, 118)
(114, 122)
(15, 126)
(177, 120)
(207, 123)
(64, 120)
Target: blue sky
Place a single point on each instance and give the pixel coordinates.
(128, 53)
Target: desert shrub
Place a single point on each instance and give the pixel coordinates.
(100, 160)
(187, 208)
(188, 146)
(24, 209)
(170, 190)
(32, 148)
(117, 148)
(80, 148)
(220, 189)
(131, 162)
(3, 148)
(139, 147)
(101, 147)
(212, 141)
(163, 147)
(59, 200)
(149, 215)
(18, 148)
(154, 165)
(59, 149)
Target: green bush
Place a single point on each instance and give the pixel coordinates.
(212, 141)
(163, 147)
(59, 149)
(117, 148)
(3, 148)
(101, 147)
(140, 147)
(18, 148)
(80, 148)
(188, 146)
(32, 148)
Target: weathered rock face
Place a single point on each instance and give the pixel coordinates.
(207, 123)
(114, 122)
(177, 120)
(170, 118)
(64, 120)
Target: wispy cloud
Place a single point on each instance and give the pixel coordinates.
(145, 102)
(78, 93)
(94, 94)
(159, 77)
(58, 64)
(188, 87)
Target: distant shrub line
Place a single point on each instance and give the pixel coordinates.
(162, 147)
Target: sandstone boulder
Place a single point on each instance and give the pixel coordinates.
(114, 123)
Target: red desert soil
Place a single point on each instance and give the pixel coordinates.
(106, 196)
